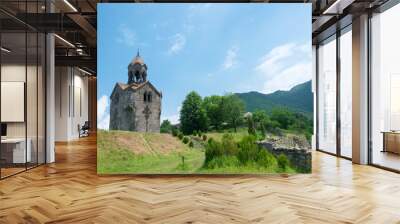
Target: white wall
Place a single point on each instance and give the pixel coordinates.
(71, 102)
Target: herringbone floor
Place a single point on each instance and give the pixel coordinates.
(70, 191)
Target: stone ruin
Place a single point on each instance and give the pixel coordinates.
(296, 148)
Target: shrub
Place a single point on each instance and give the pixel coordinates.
(250, 126)
(180, 135)
(166, 127)
(223, 161)
(204, 137)
(185, 140)
(213, 150)
(199, 133)
(249, 150)
(229, 146)
(262, 130)
(191, 144)
(194, 133)
(265, 158)
(210, 140)
(174, 132)
(283, 162)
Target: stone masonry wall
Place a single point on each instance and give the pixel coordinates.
(126, 110)
(122, 111)
(154, 106)
(299, 157)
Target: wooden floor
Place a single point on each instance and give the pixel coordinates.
(69, 191)
(387, 159)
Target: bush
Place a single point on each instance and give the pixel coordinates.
(249, 150)
(210, 140)
(194, 133)
(191, 144)
(204, 137)
(180, 136)
(214, 149)
(250, 126)
(223, 161)
(229, 146)
(199, 133)
(283, 162)
(166, 127)
(262, 130)
(265, 158)
(185, 140)
(174, 132)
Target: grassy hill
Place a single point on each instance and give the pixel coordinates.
(124, 152)
(299, 99)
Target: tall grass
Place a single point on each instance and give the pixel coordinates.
(245, 155)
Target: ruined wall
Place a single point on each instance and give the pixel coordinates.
(299, 156)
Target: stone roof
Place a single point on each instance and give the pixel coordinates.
(134, 87)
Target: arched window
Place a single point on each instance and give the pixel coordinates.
(147, 97)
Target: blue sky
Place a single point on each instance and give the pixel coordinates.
(209, 48)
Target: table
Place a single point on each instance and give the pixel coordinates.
(391, 141)
(13, 150)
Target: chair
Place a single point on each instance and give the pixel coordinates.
(84, 130)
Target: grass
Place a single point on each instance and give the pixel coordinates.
(120, 161)
(241, 132)
(116, 158)
(122, 152)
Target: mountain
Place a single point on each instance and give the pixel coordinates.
(299, 98)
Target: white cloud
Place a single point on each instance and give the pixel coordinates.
(178, 42)
(285, 66)
(126, 36)
(104, 123)
(174, 119)
(103, 116)
(230, 58)
(289, 77)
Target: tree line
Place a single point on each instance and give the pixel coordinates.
(228, 111)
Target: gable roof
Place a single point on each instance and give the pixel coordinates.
(134, 87)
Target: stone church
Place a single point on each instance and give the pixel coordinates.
(136, 105)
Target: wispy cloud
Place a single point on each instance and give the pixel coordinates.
(126, 35)
(285, 66)
(178, 42)
(103, 116)
(230, 58)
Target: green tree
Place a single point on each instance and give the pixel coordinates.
(166, 127)
(192, 115)
(233, 110)
(250, 126)
(260, 116)
(283, 116)
(261, 127)
(215, 115)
